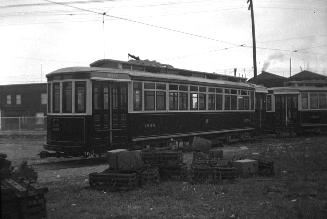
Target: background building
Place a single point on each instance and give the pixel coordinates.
(23, 106)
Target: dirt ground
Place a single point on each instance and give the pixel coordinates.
(20, 148)
(299, 189)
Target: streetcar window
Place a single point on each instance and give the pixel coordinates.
(123, 97)
(160, 100)
(322, 101)
(313, 100)
(137, 96)
(227, 102)
(305, 100)
(49, 97)
(194, 101)
(240, 102)
(219, 90)
(183, 87)
(211, 89)
(173, 100)
(233, 102)
(183, 103)
(243, 99)
(67, 97)
(149, 86)
(246, 102)
(173, 87)
(161, 86)
(56, 98)
(149, 99)
(80, 96)
(203, 89)
(115, 98)
(211, 101)
(252, 100)
(219, 102)
(105, 97)
(96, 97)
(194, 88)
(269, 103)
(202, 101)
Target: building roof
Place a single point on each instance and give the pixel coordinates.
(268, 80)
(307, 75)
(25, 85)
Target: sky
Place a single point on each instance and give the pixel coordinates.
(41, 36)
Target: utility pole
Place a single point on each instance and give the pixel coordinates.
(253, 39)
(290, 67)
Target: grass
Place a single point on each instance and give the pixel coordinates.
(299, 189)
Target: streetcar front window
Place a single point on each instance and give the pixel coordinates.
(67, 97)
(97, 97)
(56, 98)
(80, 97)
(137, 96)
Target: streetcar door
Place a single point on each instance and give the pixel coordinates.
(260, 110)
(286, 110)
(101, 113)
(119, 109)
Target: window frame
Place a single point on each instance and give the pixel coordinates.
(76, 97)
(56, 107)
(64, 92)
(317, 98)
(174, 91)
(272, 103)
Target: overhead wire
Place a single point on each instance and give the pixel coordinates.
(147, 24)
(173, 30)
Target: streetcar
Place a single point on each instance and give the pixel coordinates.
(117, 104)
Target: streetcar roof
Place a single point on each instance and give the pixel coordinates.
(100, 73)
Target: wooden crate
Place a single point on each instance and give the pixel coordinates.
(265, 167)
(178, 172)
(162, 158)
(33, 206)
(20, 200)
(149, 175)
(201, 174)
(205, 174)
(114, 181)
(246, 167)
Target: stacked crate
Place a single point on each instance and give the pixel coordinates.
(20, 200)
(210, 174)
(246, 167)
(114, 181)
(149, 175)
(210, 167)
(122, 174)
(265, 167)
(170, 163)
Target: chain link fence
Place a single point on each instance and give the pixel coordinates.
(23, 123)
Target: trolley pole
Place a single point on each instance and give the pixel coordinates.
(253, 39)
